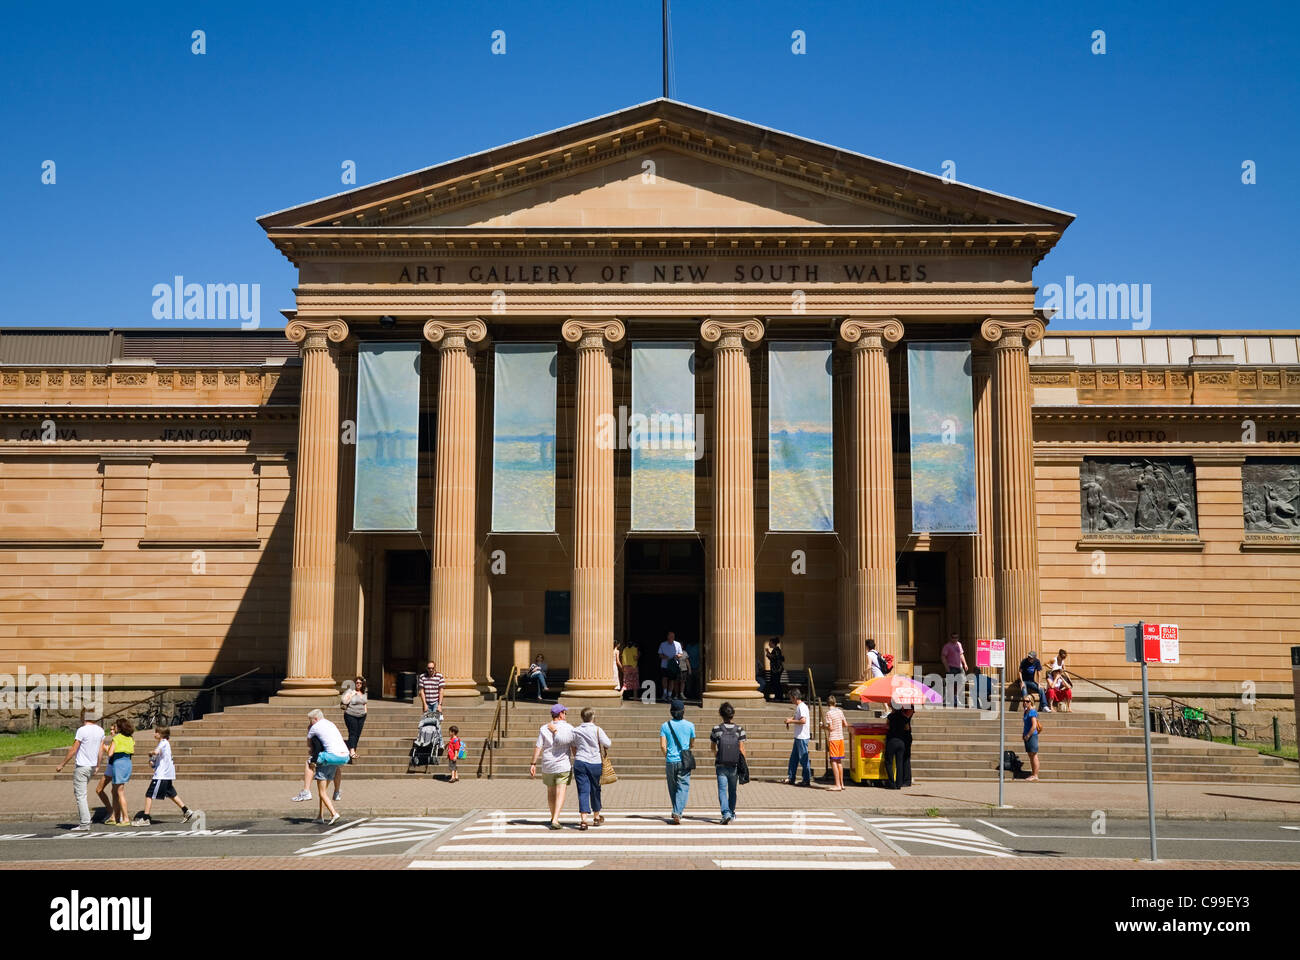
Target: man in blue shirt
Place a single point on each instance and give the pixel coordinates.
(1030, 735)
(676, 735)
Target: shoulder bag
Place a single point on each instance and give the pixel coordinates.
(688, 758)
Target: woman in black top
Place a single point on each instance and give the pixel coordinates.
(775, 664)
(898, 748)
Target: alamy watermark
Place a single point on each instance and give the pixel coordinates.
(55, 691)
(657, 431)
(1100, 301)
(179, 300)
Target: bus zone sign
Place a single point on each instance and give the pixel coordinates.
(1160, 642)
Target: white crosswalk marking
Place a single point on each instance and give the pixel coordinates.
(520, 840)
(936, 832)
(376, 832)
(803, 864)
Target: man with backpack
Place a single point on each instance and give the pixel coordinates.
(728, 741)
(876, 665)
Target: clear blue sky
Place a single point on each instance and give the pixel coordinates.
(164, 159)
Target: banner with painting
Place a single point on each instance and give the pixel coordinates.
(387, 436)
(523, 438)
(801, 450)
(942, 427)
(662, 436)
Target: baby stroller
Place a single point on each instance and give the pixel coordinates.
(427, 746)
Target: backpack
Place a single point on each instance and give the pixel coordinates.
(885, 665)
(1011, 762)
(728, 746)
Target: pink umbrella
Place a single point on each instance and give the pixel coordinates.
(900, 691)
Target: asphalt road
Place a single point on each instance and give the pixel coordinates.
(758, 839)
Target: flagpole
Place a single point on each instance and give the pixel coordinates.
(664, 6)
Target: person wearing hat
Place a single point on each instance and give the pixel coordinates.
(552, 748)
(677, 734)
(1030, 668)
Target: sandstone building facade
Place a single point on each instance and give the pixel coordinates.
(176, 505)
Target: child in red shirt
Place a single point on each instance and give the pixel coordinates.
(455, 748)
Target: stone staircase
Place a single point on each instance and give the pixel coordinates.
(268, 742)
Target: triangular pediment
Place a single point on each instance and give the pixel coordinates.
(664, 187)
(661, 165)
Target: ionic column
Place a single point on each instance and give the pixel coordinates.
(451, 606)
(731, 581)
(984, 585)
(1018, 616)
(592, 598)
(871, 480)
(315, 512)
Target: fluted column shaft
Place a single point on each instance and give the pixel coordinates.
(315, 519)
(451, 609)
(849, 660)
(731, 598)
(1018, 616)
(984, 607)
(592, 596)
(875, 580)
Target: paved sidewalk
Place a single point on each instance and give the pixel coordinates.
(52, 800)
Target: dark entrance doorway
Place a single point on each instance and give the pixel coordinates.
(651, 617)
(406, 615)
(922, 600)
(664, 592)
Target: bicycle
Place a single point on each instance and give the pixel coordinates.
(184, 711)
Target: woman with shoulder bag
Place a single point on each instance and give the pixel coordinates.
(354, 713)
(676, 737)
(589, 743)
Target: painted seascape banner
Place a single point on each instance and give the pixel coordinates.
(388, 436)
(662, 436)
(942, 426)
(801, 451)
(523, 438)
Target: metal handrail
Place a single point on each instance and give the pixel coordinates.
(1119, 697)
(492, 742)
(159, 691)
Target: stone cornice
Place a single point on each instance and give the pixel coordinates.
(891, 240)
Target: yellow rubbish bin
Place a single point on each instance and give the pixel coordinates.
(866, 758)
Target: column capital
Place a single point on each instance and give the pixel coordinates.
(454, 334)
(316, 334)
(1012, 332)
(593, 334)
(731, 334)
(864, 334)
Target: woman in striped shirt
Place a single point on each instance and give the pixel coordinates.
(833, 722)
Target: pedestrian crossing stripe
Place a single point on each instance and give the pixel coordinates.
(376, 832)
(937, 832)
(803, 864)
(658, 849)
(497, 864)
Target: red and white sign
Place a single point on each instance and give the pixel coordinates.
(997, 653)
(1160, 642)
(982, 653)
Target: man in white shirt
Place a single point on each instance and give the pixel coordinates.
(86, 749)
(329, 761)
(552, 748)
(874, 667)
(670, 671)
(802, 729)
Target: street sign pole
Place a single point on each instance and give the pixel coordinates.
(1002, 733)
(1146, 736)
